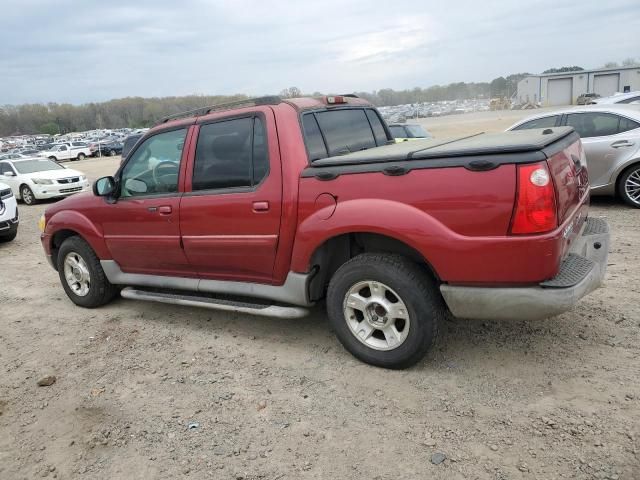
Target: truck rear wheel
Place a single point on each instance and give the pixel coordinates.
(385, 309)
(82, 276)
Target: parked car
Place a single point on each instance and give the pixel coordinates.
(8, 214)
(408, 131)
(611, 139)
(66, 151)
(12, 156)
(128, 144)
(110, 149)
(278, 205)
(587, 98)
(619, 98)
(40, 178)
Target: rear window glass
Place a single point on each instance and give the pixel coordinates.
(543, 122)
(345, 131)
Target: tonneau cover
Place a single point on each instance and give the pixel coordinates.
(480, 144)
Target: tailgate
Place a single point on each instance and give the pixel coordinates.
(568, 167)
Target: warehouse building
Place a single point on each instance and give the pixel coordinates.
(565, 88)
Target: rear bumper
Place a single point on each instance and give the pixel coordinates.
(581, 272)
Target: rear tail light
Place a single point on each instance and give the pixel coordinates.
(535, 210)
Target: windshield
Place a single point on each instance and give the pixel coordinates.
(31, 166)
(416, 131)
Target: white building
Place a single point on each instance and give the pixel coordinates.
(565, 88)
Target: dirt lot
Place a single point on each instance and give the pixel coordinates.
(275, 399)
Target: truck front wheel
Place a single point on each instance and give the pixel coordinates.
(385, 309)
(82, 276)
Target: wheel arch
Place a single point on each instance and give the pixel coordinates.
(69, 223)
(337, 250)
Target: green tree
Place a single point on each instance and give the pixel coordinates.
(575, 68)
(50, 128)
(499, 87)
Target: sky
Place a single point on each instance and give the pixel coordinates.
(86, 50)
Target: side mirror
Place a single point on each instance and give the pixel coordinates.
(9, 174)
(103, 187)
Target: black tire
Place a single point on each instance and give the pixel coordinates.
(81, 156)
(415, 288)
(9, 236)
(622, 182)
(27, 195)
(101, 291)
(112, 153)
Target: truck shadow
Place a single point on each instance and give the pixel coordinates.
(461, 343)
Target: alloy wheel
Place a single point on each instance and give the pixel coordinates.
(77, 275)
(632, 186)
(376, 315)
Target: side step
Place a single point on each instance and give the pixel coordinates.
(264, 310)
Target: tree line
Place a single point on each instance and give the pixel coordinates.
(138, 112)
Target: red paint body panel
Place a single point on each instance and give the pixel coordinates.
(224, 237)
(455, 218)
(78, 215)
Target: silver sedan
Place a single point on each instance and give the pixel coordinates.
(611, 138)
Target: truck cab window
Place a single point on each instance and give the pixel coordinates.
(230, 154)
(153, 167)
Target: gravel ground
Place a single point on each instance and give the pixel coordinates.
(155, 391)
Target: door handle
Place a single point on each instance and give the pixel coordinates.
(260, 206)
(622, 143)
(163, 210)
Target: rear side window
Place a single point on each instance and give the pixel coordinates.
(313, 138)
(230, 154)
(544, 122)
(627, 124)
(376, 125)
(593, 124)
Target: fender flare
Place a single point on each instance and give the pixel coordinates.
(77, 222)
(396, 220)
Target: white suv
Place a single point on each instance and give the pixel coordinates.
(8, 214)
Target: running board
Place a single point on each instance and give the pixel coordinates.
(215, 303)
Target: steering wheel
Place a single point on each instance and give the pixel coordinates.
(157, 173)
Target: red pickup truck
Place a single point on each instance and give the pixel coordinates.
(268, 206)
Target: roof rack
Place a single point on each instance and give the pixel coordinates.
(248, 102)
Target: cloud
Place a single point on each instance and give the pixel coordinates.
(69, 51)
